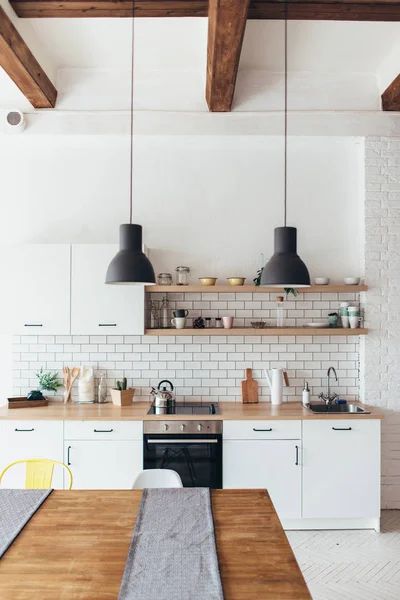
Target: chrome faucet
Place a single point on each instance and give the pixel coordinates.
(328, 398)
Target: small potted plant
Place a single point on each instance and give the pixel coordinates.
(122, 395)
(48, 382)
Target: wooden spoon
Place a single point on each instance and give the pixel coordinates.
(67, 379)
(74, 375)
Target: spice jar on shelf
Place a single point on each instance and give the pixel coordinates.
(218, 322)
(208, 322)
(164, 279)
(182, 275)
(280, 312)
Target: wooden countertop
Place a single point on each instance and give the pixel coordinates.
(76, 545)
(232, 411)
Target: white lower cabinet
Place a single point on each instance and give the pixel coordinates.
(30, 439)
(341, 469)
(265, 463)
(103, 465)
(103, 454)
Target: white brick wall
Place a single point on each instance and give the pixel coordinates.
(381, 349)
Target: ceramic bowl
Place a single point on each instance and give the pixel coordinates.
(258, 324)
(208, 280)
(351, 280)
(236, 280)
(321, 280)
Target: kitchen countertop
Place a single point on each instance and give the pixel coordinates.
(86, 559)
(232, 411)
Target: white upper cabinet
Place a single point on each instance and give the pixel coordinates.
(98, 308)
(36, 289)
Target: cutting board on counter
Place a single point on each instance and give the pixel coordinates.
(249, 389)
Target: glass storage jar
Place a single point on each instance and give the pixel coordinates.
(164, 279)
(182, 275)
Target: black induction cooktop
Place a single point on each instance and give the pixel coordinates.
(187, 408)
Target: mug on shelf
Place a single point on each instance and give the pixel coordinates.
(180, 312)
(179, 322)
(345, 321)
(354, 321)
(228, 322)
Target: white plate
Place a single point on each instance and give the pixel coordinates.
(318, 324)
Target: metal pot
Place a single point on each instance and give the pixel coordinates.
(162, 397)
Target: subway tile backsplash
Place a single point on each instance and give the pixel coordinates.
(206, 367)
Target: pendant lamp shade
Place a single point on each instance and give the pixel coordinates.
(130, 265)
(285, 268)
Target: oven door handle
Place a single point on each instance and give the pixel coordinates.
(202, 441)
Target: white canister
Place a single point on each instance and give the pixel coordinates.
(86, 384)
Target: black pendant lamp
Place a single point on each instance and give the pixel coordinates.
(130, 265)
(285, 269)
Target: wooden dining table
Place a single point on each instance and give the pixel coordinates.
(76, 545)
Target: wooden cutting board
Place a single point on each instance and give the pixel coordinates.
(249, 389)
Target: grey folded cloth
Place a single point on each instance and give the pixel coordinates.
(172, 555)
(17, 507)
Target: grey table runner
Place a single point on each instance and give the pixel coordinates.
(172, 555)
(17, 507)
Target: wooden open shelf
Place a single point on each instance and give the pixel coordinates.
(237, 289)
(268, 331)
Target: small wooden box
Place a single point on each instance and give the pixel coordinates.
(122, 397)
(23, 402)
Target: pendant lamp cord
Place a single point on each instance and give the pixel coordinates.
(286, 111)
(131, 116)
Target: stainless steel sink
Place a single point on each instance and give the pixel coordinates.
(351, 409)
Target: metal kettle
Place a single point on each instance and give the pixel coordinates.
(162, 397)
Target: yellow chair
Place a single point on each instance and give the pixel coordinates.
(39, 472)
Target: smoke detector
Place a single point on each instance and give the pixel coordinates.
(15, 121)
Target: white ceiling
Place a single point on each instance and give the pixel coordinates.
(179, 46)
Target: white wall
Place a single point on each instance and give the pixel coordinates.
(209, 202)
(381, 349)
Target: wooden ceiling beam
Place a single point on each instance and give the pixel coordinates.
(226, 26)
(319, 10)
(391, 96)
(23, 68)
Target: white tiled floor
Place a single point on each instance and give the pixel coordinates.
(351, 565)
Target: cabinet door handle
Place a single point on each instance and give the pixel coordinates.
(107, 324)
(297, 456)
(24, 429)
(68, 456)
(270, 429)
(341, 428)
(103, 430)
(33, 324)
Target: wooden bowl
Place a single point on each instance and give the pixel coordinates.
(236, 280)
(208, 280)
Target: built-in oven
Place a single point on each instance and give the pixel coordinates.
(191, 448)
